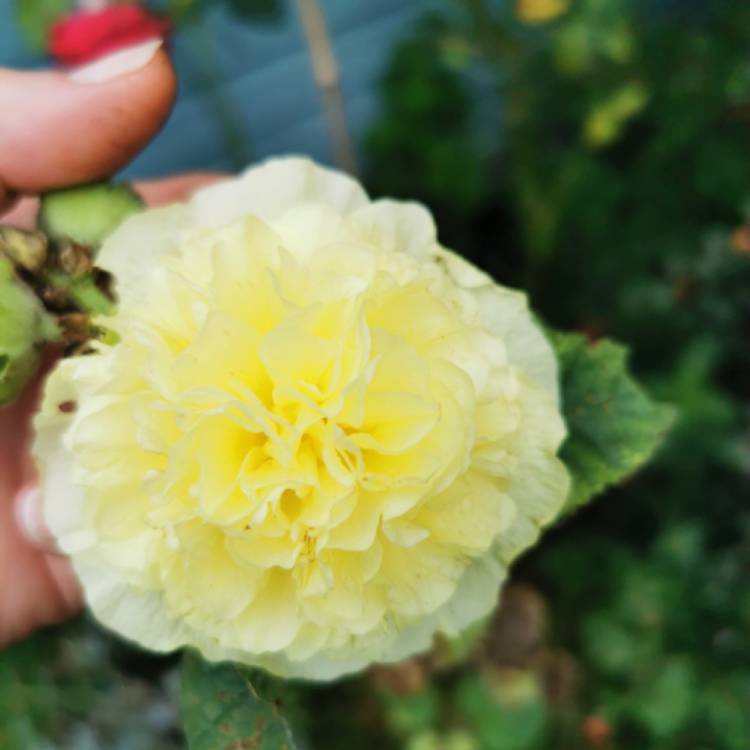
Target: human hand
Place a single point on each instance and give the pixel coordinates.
(57, 130)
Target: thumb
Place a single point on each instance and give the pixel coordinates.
(59, 129)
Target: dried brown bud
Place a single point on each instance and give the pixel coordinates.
(26, 250)
(73, 259)
(55, 298)
(75, 328)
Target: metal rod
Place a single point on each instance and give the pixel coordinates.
(326, 73)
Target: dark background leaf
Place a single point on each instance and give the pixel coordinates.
(257, 10)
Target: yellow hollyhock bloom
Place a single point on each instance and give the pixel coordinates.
(320, 439)
(540, 11)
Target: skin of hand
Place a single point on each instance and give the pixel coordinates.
(59, 130)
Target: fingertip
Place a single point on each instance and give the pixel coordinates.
(129, 111)
(166, 190)
(145, 97)
(59, 131)
(30, 522)
(19, 212)
(7, 199)
(66, 584)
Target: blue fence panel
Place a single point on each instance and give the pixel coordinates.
(263, 71)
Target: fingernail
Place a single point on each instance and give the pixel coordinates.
(117, 64)
(29, 519)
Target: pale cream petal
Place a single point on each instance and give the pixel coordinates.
(138, 245)
(421, 578)
(505, 312)
(208, 579)
(470, 513)
(271, 622)
(538, 491)
(395, 226)
(272, 188)
(540, 483)
(138, 615)
(64, 501)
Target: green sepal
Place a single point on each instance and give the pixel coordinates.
(24, 327)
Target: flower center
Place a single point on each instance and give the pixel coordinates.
(288, 420)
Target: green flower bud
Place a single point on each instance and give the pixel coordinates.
(87, 214)
(24, 326)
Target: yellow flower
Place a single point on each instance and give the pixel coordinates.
(321, 438)
(608, 119)
(540, 11)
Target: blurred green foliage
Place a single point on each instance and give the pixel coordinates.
(36, 17)
(77, 689)
(599, 160)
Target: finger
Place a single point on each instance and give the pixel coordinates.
(64, 128)
(35, 588)
(173, 189)
(16, 421)
(7, 199)
(29, 518)
(66, 586)
(20, 213)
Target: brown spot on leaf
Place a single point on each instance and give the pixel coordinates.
(245, 743)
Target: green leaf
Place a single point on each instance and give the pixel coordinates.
(614, 426)
(257, 10)
(222, 709)
(87, 214)
(36, 17)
